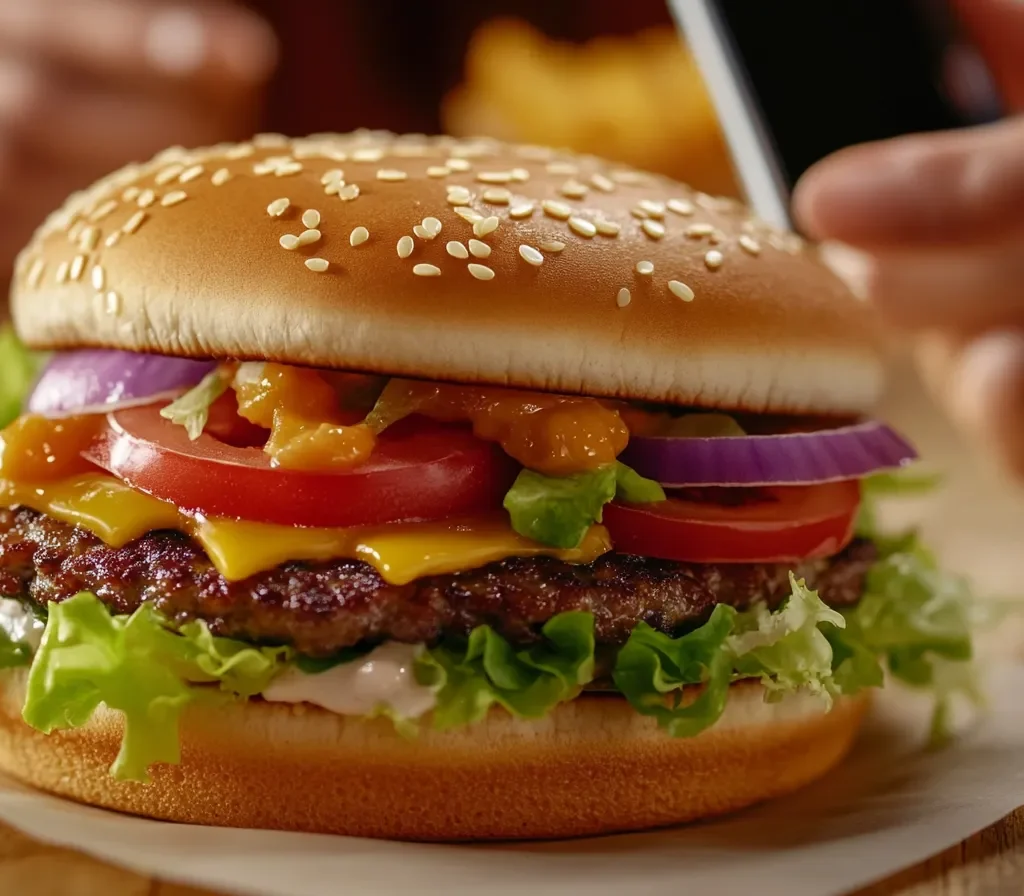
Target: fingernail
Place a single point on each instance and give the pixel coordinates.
(176, 42)
(983, 382)
(250, 49)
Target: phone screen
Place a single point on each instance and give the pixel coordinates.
(826, 74)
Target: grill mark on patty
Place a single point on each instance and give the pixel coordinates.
(320, 608)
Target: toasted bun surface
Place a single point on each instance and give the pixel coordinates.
(593, 767)
(180, 256)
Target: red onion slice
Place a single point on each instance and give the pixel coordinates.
(92, 381)
(850, 452)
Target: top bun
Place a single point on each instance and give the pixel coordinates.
(473, 261)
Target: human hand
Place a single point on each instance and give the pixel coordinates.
(941, 219)
(89, 85)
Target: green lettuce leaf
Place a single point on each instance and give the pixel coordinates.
(528, 683)
(18, 370)
(559, 510)
(13, 653)
(192, 410)
(138, 667)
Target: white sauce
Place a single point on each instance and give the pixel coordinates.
(18, 623)
(384, 677)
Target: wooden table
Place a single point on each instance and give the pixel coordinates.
(974, 523)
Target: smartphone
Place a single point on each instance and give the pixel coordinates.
(795, 80)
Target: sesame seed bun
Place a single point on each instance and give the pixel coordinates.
(594, 766)
(472, 261)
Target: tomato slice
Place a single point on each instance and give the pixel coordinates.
(420, 470)
(780, 525)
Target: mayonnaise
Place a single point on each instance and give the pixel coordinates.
(384, 677)
(19, 624)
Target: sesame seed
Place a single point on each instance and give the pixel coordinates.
(220, 177)
(607, 228)
(146, 199)
(645, 267)
(520, 175)
(654, 209)
(421, 232)
(75, 231)
(331, 176)
(494, 177)
(531, 255)
(458, 164)
(98, 277)
(485, 226)
(481, 271)
(311, 235)
(317, 265)
(190, 174)
(77, 267)
(552, 245)
(113, 303)
(713, 260)
(311, 218)
(368, 154)
(749, 245)
(113, 239)
(459, 196)
(653, 229)
(88, 239)
(405, 247)
(241, 151)
(174, 198)
(438, 171)
(630, 178)
(497, 196)
(680, 290)
(426, 270)
(523, 210)
(468, 215)
(432, 226)
(348, 192)
(573, 189)
(168, 174)
(287, 168)
(479, 249)
(623, 298)
(567, 168)
(391, 175)
(334, 187)
(602, 183)
(62, 272)
(456, 249)
(696, 231)
(289, 241)
(680, 206)
(102, 211)
(130, 194)
(278, 207)
(556, 209)
(582, 226)
(134, 222)
(638, 212)
(35, 273)
(358, 236)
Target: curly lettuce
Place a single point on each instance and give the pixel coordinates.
(18, 370)
(192, 410)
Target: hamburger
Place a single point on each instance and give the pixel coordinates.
(438, 489)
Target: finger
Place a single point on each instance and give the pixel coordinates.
(95, 126)
(981, 385)
(997, 27)
(925, 190)
(210, 43)
(968, 291)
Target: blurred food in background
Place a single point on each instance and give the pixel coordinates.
(636, 99)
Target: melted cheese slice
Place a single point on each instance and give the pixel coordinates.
(118, 514)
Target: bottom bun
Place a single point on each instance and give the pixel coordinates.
(594, 766)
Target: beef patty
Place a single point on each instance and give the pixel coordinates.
(320, 608)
